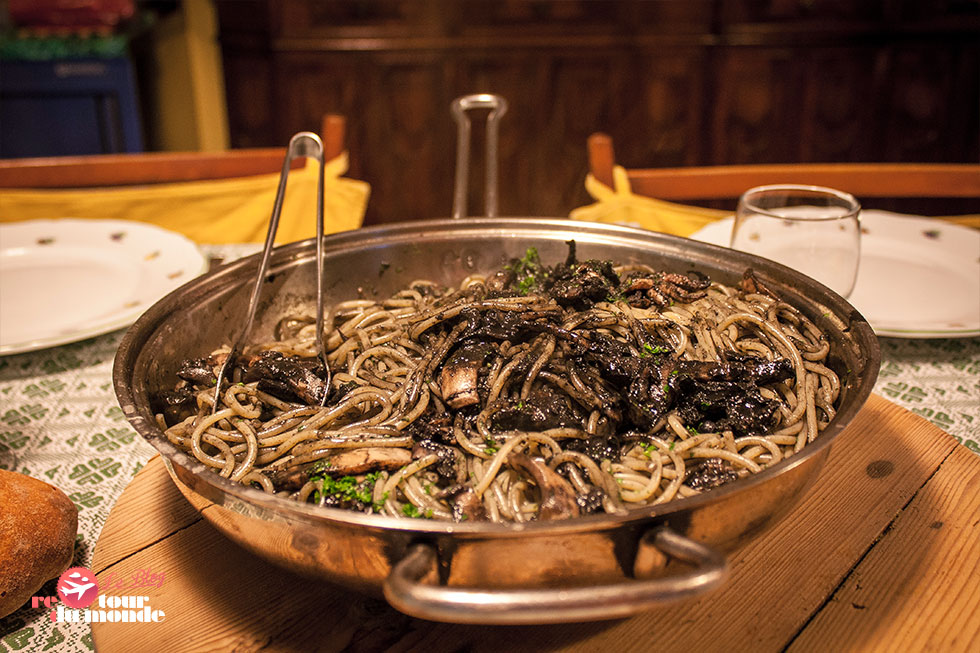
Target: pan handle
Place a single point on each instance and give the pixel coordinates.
(459, 107)
(406, 593)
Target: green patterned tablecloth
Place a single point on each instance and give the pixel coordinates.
(59, 421)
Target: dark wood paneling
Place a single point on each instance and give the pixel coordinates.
(929, 89)
(675, 83)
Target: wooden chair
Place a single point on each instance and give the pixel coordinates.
(158, 167)
(961, 182)
(210, 197)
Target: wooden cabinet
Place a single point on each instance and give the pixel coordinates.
(675, 83)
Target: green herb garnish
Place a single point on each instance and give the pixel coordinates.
(650, 349)
(345, 488)
(528, 271)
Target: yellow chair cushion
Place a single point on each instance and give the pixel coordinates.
(620, 206)
(216, 211)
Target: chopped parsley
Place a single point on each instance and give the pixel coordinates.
(410, 510)
(528, 271)
(649, 349)
(346, 488)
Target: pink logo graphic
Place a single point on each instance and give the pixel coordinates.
(77, 587)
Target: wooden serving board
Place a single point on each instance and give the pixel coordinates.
(881, 553)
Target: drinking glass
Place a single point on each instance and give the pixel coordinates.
(812, 229)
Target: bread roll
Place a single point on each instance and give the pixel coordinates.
(38, 524)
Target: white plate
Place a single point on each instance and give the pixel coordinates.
(918, 278)
(66, 280)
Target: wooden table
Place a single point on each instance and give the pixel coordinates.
(880, 554)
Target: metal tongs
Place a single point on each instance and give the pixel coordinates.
(303, 144)
(459, 107)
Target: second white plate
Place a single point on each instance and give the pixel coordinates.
(918, 277)
(66, 280)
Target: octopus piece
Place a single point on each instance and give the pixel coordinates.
(543, 409)
(466, 505)
(450, 467)
(581, 285)
(202, 371)
(176, 405)
(558, 499)
(750, 368)
(348, 463)
(461, 373)
(709, 473)
(751, 284)
(660, 289)
(288, 377)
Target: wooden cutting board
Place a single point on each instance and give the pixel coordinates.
(881, 553)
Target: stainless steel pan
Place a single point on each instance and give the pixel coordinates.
(594, 567)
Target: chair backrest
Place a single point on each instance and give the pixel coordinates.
(863, 180)
(209, 197)
(158, 167)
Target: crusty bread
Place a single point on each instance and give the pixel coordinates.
(38, 524)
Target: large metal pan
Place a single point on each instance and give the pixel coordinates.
(594, 567)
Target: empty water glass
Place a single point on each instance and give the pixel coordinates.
(811, 229)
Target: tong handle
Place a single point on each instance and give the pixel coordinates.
(303, 144)
(460, 107)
